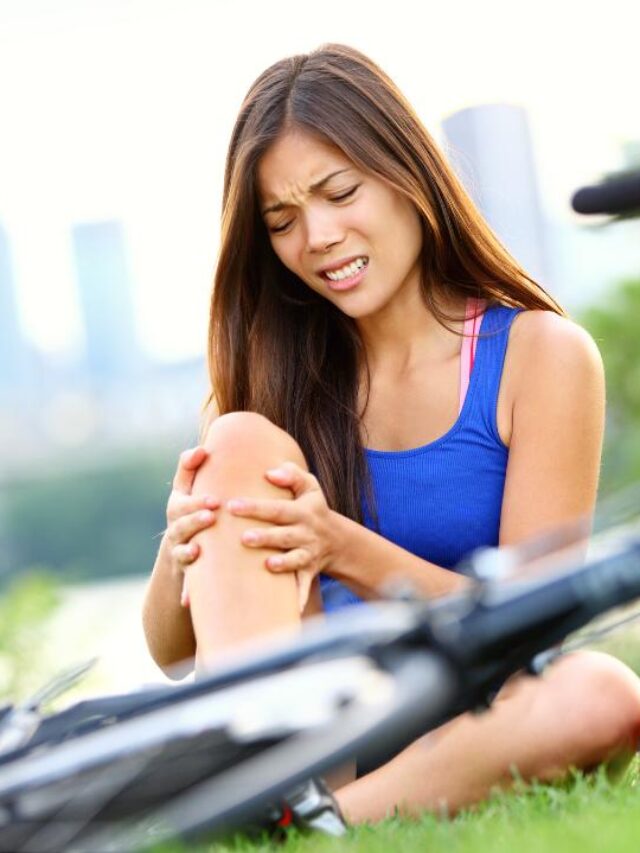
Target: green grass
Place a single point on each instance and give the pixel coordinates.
(584, 815)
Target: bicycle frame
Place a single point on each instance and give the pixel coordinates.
(382, 675)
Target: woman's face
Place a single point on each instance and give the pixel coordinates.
(343, 232)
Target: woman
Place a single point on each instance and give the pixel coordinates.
(352, 270)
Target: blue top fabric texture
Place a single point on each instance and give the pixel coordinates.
(443, 500)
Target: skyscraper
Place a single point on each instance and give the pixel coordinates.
(490, 149)
(12, 345)
(106, 301)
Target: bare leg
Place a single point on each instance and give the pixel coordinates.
(234, 598)
(585, 710)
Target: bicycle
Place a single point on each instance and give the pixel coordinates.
(239, 746)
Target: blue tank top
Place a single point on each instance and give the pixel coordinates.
(443, 500)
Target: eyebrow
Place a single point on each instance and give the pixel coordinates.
(280, 205)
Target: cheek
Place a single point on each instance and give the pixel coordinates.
(284, 255)
(407, 232)
(386, 219)
(287, 251)
(289, 256)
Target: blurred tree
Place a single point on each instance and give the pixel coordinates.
(615, 327)
(88, 523)
(24, 608)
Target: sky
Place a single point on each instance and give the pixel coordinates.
(122, 109)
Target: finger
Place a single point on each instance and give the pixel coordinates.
(292, 476)
(188, 464)
(278, 512)
(298, 558)
(184, 555)
(186, 527)
(180, 504)
(282, 538)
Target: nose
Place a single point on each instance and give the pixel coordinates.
(322, 229)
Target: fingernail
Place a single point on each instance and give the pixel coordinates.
(205, 515)
(235, 505)
(274, 562)
(276, 472)
(250, 537)
(212, 503)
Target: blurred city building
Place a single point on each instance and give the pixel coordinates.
(19, 363)
(490, 147)
(108, 394)
(491, 150)
(106, 301)
(12, 343)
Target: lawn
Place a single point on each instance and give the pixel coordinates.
(585, 815)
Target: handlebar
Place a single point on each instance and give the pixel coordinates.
(425, 661)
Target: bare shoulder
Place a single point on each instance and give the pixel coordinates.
(546, 346)
(550, 360)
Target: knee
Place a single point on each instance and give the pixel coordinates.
(236, 428)
(245, 439)
(606, 696)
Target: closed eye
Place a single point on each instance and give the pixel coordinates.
(279, 229)
(344, 195)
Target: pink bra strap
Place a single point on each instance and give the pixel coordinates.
(473, 315)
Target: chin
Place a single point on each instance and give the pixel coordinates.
(358, 312)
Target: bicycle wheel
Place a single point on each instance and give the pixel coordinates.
(212, 761)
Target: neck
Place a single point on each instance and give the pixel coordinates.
(402, 337)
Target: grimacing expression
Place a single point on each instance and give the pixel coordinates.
(345, 233)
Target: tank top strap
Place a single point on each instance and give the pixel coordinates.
(489, 364)
(474, 311)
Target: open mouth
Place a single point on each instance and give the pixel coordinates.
(348, 272)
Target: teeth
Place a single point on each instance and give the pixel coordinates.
(347, 271)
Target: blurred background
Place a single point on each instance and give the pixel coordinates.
(115, 119)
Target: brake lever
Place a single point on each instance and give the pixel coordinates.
(19, 724)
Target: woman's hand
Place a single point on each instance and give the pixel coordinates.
(187, 514)
(302, 529)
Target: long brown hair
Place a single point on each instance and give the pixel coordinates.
(277, 347)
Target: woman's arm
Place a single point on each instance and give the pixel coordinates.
(369, 564)
(167, 625)
(554, 383)
(558, 426)
(166, 622)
